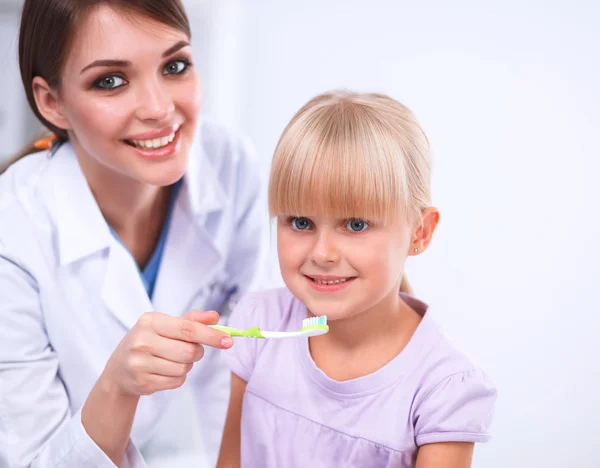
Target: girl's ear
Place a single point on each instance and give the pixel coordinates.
(424, 231)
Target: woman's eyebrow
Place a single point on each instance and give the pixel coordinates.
(106, 63)
(125, 63)
(171, 50)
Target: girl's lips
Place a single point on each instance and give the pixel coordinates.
(323, 283)
(161, 151)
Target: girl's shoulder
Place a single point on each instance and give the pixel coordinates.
(442, 357)
(453, 398)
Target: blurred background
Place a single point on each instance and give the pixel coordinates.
(509, 94)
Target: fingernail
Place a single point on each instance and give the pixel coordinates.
(226, 342)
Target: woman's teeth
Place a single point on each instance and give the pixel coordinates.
(155, 143)
(343, 280)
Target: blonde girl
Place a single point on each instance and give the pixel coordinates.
(350, 189)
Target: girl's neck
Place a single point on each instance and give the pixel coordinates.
(362, 344)
(384, 319)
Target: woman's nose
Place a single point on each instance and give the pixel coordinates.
(325, 249)
(154, 102)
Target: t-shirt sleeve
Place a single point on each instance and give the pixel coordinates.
(458, 409)
(241, 357)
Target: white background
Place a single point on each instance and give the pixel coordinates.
(508, 93)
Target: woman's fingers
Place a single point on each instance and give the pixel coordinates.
(184, 329)
(160, 366)
(206, 317)
(176, 351)
(159, 351)
(152, 383)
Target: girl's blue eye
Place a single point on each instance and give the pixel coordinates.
(108, 83)
(300, 224)
(176, 67)
(357, 225)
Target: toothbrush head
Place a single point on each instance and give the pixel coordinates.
(315, 326)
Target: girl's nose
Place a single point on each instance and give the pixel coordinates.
(325, 250)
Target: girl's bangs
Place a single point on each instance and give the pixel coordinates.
(338, 178)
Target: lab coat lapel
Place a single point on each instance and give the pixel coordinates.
(123, 291)
(190, 258)
(82, 233)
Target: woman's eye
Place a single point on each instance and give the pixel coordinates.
(176, 67)
(300, 224)
(357, 225)
(109, 82)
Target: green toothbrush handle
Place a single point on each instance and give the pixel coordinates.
(253, 332)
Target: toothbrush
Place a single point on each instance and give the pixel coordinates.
(313, 326)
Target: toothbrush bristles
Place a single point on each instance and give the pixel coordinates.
(308, 322)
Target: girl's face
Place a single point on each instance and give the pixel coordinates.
(130, 97)
(343, 267)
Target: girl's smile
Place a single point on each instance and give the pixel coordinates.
(329, 284)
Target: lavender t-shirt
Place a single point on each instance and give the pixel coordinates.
(295, 416)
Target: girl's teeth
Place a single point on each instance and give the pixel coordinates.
(330, 282)
(155, 143)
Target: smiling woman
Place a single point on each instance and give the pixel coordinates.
(133, 205)
(120, 77)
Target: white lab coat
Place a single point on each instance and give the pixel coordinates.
(69, 292)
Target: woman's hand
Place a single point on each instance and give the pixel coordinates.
(156, 354)
(159, 351)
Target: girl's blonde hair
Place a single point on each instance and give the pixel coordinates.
(352, 155)
(349, 154)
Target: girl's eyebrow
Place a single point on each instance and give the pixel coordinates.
(125, 63)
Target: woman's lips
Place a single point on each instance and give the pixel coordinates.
(156, 148)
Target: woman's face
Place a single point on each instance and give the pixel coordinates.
(130, 96)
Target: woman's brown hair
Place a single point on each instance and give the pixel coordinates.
(47, 31)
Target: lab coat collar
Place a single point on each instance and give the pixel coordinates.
(81, 227)
(201, 190)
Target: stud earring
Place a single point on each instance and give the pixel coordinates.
(416, 250)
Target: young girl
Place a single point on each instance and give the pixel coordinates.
(350, 188)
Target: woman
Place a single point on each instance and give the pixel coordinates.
(137, 207)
